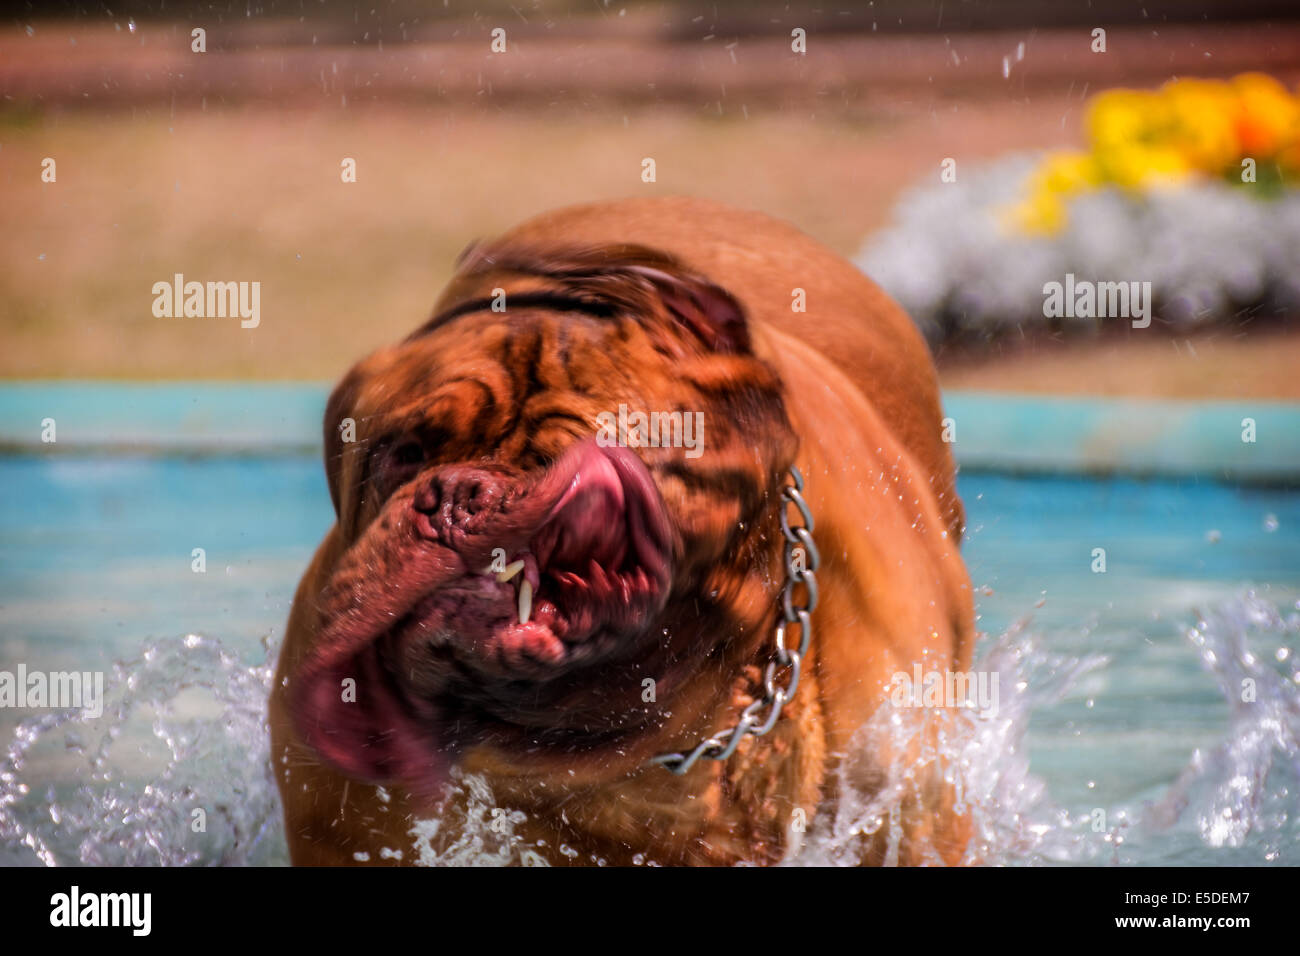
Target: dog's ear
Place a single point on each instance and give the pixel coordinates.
(345, 457)
(708, 310)
(625, 277)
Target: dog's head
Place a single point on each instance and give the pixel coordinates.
(546, 499)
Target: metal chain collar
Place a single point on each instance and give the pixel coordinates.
(724, 743)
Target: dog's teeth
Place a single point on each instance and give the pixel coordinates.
(525, 601)
(511, 569)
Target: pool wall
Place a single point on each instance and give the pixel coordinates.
(991, 431)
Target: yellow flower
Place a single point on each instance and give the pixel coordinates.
(1266, 115)
(1138, 166)
(1066, 173)
(1288, 158)
(1042, 214)
(1142, 140)
(1200, 125)
(1120, 117)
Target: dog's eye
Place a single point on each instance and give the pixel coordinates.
(397, 462)
(408, 453)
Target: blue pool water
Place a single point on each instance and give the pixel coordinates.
(1128, 703)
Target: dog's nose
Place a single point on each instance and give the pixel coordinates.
(459, 492)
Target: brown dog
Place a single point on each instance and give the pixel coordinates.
(641, 588)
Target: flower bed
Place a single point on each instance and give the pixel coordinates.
(1190, 188)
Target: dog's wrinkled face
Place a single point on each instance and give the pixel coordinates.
(511, 577)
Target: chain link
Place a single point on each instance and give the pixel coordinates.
(798, 538)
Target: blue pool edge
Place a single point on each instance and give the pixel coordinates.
(989, 431)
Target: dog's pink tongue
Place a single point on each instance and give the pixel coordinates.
(587, 523)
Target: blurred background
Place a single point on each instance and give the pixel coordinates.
(226, 165)
(962, 152)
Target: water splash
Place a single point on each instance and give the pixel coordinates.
(176, 772)
(474, 830)
(981, 755)
(1247, 788)
(184, 729)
